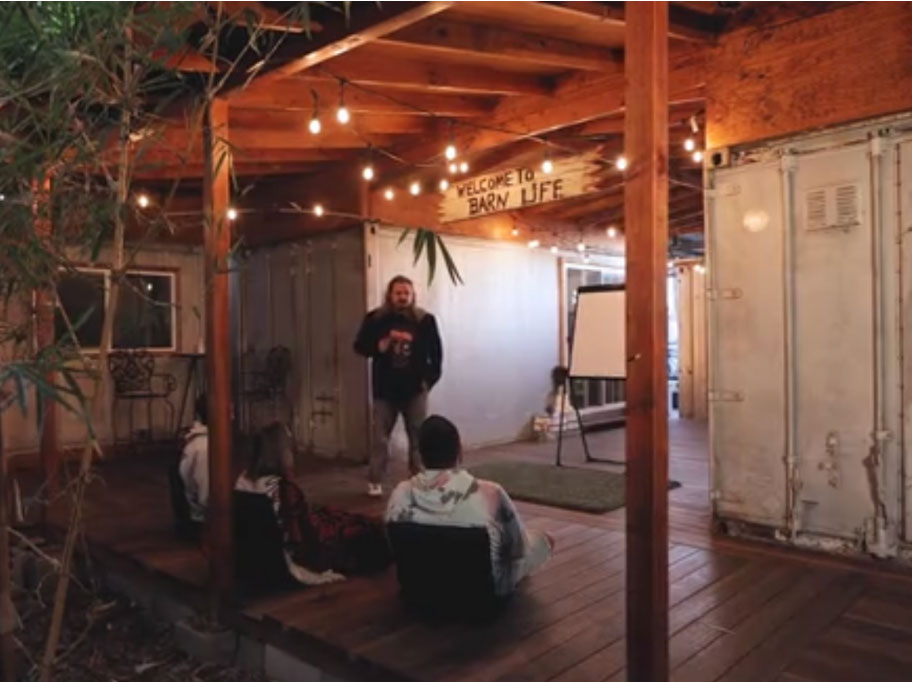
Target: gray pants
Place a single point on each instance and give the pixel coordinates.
(386, 412)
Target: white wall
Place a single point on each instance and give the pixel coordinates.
(500, 330)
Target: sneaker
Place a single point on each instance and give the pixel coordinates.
(374, 490)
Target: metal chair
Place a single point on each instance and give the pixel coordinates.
(268, 385)
(135, 379)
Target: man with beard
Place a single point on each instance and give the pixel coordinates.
(404, 345)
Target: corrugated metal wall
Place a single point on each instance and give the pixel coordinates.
(309, 297)
(807, 398)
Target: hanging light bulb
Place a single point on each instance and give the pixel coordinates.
(554, 249)
(612, 232)
(318, 210)
(454, 167)
(231, 213)
(415, 188)
(464, 167)
(142, 200)
(314, 126)
(689, 144)
(581, 247)
(698, 156)
(450, 152)
(621, 163)
(515, 231)
(547, 166)
(444, 184)
(368, 172)
(2, 197)
(389, 194)
(343, 116)
(534, 243)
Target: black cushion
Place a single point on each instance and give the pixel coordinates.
(260, 565)
(444, 570)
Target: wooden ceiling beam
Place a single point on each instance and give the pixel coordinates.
(366, 22)
(497, 42)
(292, 94)
(371, 68)
(296, 122)
(683, 23)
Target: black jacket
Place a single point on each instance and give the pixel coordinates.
(414, 358)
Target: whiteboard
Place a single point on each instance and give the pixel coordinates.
(598, 341)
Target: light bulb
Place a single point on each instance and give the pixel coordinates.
(318, 210)
(415, 188)
(444, 184)
(515, 231)
(581, 247)
(700, 268)
(231, 214)
(2, 197)
(314, 126)
(142, 200)
(534, 244)
(698, 156)
(453, 168)
(547, 166)
(554, 249)
(689, 144)
(368, 172)
(450, 152)
(343, 116)
(621, 163)
(388, 194)
(464, 167)
(612, 232)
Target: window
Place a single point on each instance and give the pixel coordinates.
(146, 314)
(590, 393)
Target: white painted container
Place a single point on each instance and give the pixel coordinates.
(808, 307)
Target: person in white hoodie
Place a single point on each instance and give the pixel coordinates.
(444, 494)
(194, 463)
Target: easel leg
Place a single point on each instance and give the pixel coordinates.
(560, 428)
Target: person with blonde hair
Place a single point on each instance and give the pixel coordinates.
(403, 344)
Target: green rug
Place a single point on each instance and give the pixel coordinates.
(589, 490)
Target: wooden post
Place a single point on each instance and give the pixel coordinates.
(49, 450)
(646, 218)
(217, 245)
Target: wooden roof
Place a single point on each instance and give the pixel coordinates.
(501, 79)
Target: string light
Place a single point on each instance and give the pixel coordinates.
(415, 188)
(389, 194)
(444, 184)
(318, 210)
(450, 152)
(515, 231)
(547, 166)
(612, 232)
(368, 172)
(689, 144)
(554, 249)
(698, 156)
(453, 168)
(142, 200)
(2, 197)
(621, 163)
(581, 247)
(534, 244)
(464, 167)
(314, 126)
(343, 116)
(700, 268)
(231, 213)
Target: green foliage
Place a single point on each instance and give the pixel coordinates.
(430, 243)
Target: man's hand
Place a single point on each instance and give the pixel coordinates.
(384, 344)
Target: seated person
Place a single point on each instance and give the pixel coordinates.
(447, 495)
(194, 464)
(321, 545)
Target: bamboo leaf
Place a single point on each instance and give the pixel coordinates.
(452, 270)
(405, 233)
(431, 255)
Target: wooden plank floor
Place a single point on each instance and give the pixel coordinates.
(737, 613)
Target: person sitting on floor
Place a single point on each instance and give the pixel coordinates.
(321, 544)
(194, 465)
(447, 495)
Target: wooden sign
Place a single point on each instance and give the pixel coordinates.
(516, 187)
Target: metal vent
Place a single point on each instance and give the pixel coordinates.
(836, 206)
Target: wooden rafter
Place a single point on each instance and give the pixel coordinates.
(684, 24)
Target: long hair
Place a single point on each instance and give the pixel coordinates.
(271, 452)
(388, 299)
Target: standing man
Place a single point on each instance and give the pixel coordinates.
(404, 344)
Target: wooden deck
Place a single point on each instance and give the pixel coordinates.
(737, 613)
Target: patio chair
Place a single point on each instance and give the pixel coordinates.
(135, 379)
(267, 385)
